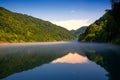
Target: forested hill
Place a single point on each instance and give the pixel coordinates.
(16, 27)
(79, 31)
(106, 29)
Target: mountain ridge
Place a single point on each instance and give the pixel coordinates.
(79, 31)
(17, 27)
(105, 29)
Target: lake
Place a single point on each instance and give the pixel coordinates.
(59, 61)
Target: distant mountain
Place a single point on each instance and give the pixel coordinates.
(79, 31)
(16, 27)
(105, 29)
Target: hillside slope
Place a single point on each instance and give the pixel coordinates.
(79, 31)
(16, 27)
(106, 29)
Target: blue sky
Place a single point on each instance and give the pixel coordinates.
(70, 14)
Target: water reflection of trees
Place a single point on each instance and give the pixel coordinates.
(17, 62)
(109, 60)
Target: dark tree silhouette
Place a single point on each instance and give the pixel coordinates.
(113, 2)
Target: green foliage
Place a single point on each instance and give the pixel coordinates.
(15, 27)
(91, 32)
(106, 29)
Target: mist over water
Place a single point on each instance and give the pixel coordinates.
(58, 61)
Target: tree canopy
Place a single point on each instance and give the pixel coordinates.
(105, 29)
(16, 27)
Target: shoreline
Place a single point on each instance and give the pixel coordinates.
(34, 43)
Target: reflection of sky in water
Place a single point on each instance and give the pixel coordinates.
(71, 67)
(68, 70)
(72, 58)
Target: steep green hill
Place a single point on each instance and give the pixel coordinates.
(106, 29)
(16, 27)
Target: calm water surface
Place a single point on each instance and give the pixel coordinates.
(59, 61)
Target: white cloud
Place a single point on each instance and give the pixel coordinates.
(72, 11)
(71, 24)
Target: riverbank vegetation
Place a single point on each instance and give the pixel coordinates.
(17, 27)
(105, 29)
